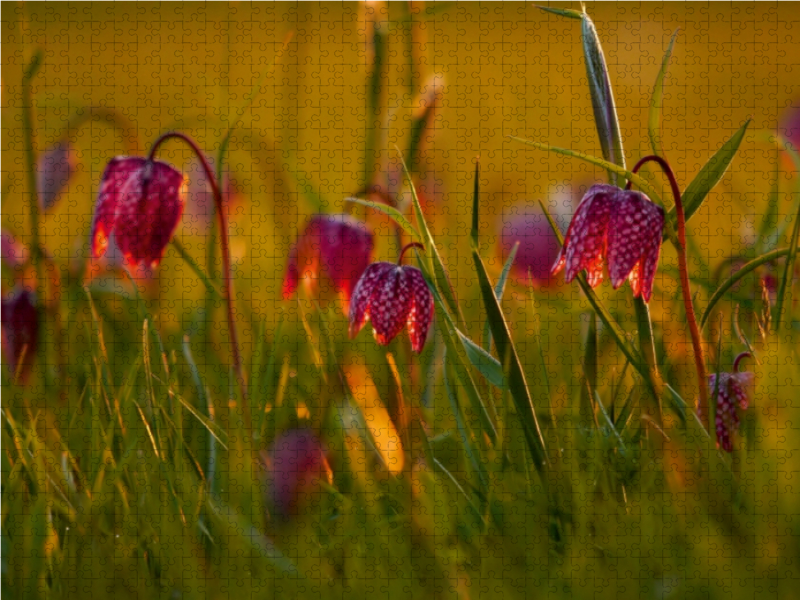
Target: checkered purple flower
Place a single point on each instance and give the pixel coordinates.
(329, 257)
(391, 297)
(621, 225)
(141, 201)
(732, 393)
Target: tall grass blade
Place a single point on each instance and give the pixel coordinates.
(657, 99)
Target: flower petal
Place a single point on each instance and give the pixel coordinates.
(360, 301)
(292, 276)
(149, 208)
(586, 240)
(346, 249)
(390, 304)
(53, 172)
(117, 172)
(421, 314)
(20, 332)
(635, 223)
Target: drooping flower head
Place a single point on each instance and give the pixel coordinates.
(621, 225)
(296, 465)
(20, 332)
(141, 201)
(329, 257)
(732, 393)
(391, 297)
(55, 168)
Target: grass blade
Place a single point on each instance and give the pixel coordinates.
(656, 101)
(487, 365)
(737, 277)
(499, 289)
(710, 175)
(392, 212)
(563, 12)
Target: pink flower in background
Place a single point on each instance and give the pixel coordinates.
(392, 297)
(200, 204)
(790, 124)
(623, 226)
(141, 201)
(732, 391)
(55, 168)
(329, 257)
(296, 465)
(14, 253)
(20, 332)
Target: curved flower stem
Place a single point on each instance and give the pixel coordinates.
(226, 260)
(699, 358)
(406, 248)
(739, 359)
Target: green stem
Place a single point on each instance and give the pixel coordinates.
(33, 198)
(699, 357)
(226, 262)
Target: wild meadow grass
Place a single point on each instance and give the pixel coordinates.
(545, 442)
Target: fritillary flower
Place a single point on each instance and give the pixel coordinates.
(296, 465)
(392, 297)
(141, 201)
(621, 225)
(329, 257)
(732, 391)
(20, 332)
(54, 170)
(14, 253)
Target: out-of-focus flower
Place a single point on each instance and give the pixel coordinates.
(20, 332)
(732, 393)
(329, 257)
(622, 225)
(200, 204)
(55, 168)
(790, 124)
(296, 466)
(141, 201)
(391, 297)
(14, 253)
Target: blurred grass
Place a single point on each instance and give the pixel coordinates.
(132, 476)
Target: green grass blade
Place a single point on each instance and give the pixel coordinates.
(784, 291)
(599, 162)
(737, 277)
(392, 212)
(516, 376)
(563, 12)
(487, 365)
(499, 289)
(710, 175)
(656, 101)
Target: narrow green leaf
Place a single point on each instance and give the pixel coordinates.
(586, 410)
(605, 113)
(431, 251)
(487, 365)
(710, 175)
(210, 287)
(768, 231)
(738, 276)
(373, 108)
(656, 101)
(516, 376)
(391, 212)
(499, 289)
(642, 184)
(563, 12)
(475, 203)
(784, 291)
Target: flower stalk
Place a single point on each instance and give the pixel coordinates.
(699, 358)
(226, 260)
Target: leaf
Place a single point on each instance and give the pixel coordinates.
(499, 289)
(654, 117)
(487, 364)
(605, 113)
(738, 276)
(636, 179)
(563, 12)
(391, 212)
(710, 175)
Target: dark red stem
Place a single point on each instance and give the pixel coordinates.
(408, 247)
(226, 259)
(739, 359)
(699, 358)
